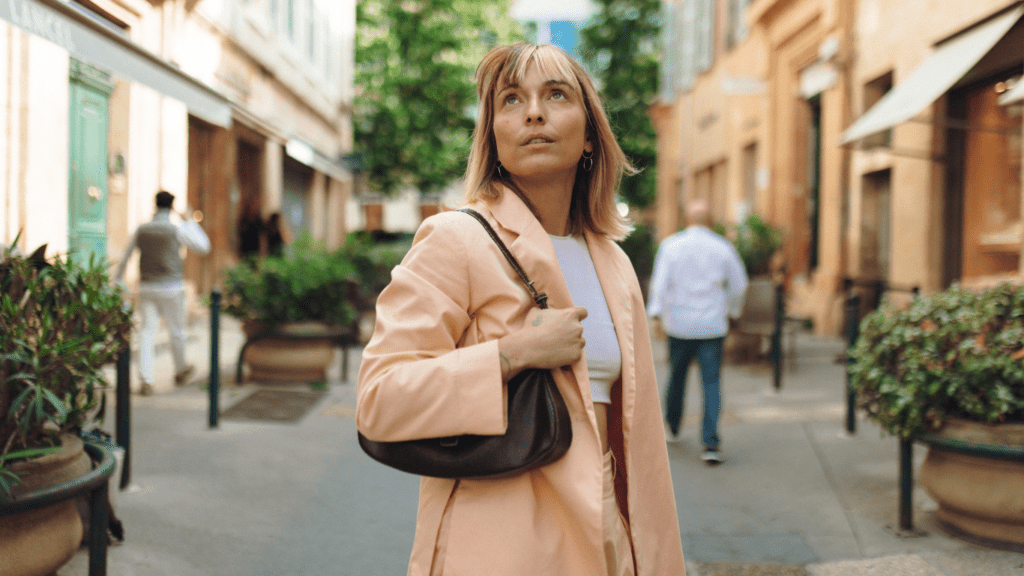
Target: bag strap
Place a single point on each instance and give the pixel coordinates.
(540, 298)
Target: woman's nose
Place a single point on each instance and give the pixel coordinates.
(535, 113)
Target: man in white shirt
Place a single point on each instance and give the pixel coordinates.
(162, 283)
(698, 282)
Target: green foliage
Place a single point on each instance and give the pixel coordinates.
(310, 283)
(415, 91)
(756, 242)
(641, 249)
(621, 48)
(374, 259)
(952, 354)
(60, 323)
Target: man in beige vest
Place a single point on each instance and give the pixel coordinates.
(162, 283)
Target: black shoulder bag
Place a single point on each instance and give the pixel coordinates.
(539, 430)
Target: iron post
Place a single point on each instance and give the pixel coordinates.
(123, 413)
(214, 357)
(852, 333)
(907, 484)
(780, 317)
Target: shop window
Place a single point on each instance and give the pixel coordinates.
(814, 180)
(711, 185)
(991, 203)
(296, 185)
(750, 176)
(873, 92)
(875, 225)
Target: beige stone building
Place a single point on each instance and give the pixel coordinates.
(885, 139)
(234, 106)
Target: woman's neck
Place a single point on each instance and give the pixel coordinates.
(551, 199)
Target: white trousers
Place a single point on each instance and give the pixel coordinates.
(157, 303)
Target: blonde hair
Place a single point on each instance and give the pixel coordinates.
(593, 198)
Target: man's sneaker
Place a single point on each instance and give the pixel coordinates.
(712, 457)
(670, 436)
(181, 377)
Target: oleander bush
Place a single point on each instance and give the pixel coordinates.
(956, 353)
(61, 322)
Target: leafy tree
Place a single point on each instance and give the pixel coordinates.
(415, 99)
(621, 48)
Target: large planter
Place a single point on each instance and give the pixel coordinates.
(975, 474)
(38, 542)
(291, 352)
(750, 335)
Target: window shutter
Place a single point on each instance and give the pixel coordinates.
(687, 28)
(705, 35)
(669, 52)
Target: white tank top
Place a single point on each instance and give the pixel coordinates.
(604, 358)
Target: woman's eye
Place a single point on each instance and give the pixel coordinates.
(511, 99)
(558, 95)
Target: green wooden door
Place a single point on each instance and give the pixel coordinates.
(87, 178)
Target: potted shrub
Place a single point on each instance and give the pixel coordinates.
(374, 255)
(60, 322)
(948, 370)
(757, 241)
(294, 307)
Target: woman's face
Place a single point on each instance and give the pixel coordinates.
(540, 127)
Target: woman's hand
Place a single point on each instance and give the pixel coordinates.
(549, 339)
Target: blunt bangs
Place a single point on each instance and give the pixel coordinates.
(593, 203)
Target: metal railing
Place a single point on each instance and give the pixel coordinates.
(853, 319)
(95, 485)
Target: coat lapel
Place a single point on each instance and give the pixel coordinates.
(615, 284)
(533, 249)
(532, 246)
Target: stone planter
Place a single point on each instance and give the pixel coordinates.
(298, 352)
(38, 542)
(975, 473)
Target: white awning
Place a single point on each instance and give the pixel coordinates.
(306, 154)
(950, 61)
(92, 40)
(1013, 95)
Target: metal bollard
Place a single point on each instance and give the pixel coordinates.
(214, 357)
(780, 317)
(123, 416)
(906, 484)
(852, 333)
(98, 530)
(907, 469)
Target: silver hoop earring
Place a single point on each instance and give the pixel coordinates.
(588, 161)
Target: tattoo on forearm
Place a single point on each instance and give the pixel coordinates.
(538, 320)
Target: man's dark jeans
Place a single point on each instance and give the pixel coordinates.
(709, 355)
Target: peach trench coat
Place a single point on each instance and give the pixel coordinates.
(432, 369)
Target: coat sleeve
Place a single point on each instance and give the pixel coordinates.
(415, 381)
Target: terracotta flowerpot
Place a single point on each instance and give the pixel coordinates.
(283, 359)
(978, 494)
(38, 542)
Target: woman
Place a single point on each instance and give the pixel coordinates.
(456, 323)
